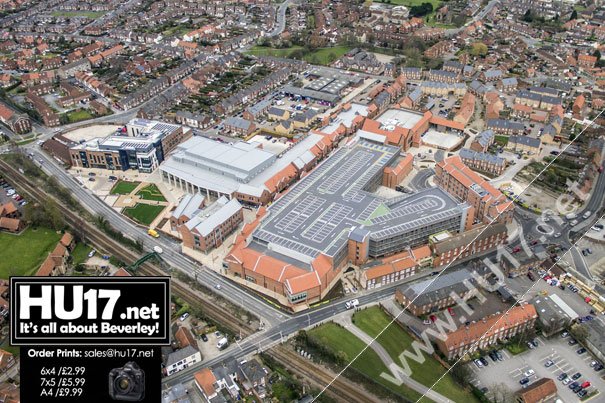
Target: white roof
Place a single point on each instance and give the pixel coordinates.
(189, 205)
(564, 307)
(371, 136)
(219, 212)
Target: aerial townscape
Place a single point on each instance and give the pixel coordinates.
(356, 201)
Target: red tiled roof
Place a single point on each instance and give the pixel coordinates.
(205, 380)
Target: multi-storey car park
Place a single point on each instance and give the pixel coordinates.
(297, 248)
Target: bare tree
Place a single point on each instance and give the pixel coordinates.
(500, 393)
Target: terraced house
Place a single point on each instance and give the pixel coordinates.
(487, 332)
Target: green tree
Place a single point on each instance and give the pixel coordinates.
(597, 54)
(574, 15)
(579, 333)
(479, 49)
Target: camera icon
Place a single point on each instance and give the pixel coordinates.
(127, 384)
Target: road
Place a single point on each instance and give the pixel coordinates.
(479, 16)
(421, 180)
(280, 23)
(289, 326)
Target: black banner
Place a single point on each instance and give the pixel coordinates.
(90, 310)
(90, 374)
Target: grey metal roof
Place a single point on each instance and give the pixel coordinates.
(435, 289)
(216, 214)
(485, 137)
(493, 73)
(509, 81)
(189, 205)
(544, 91)
(238, 122)
(181, 354)
(525, 140)
(466, 153)
(505, 124)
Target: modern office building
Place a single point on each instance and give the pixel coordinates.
(142, 145)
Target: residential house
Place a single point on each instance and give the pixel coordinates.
(524, 144)
(504, 126)
(541, 391)
(239, 126)
(491, 75)
(578, 107)
(483, 140)
(508, 84)
(587, 61)
(484, 162)
(17, 122)
(278, 114)
(484, 333)
(432, 295)
(181, 359)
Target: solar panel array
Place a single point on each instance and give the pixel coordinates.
(267, 237)
(327, 222)
(351, 166)
(411, 209)
(412, 224)
(299, 214)
(367, 212)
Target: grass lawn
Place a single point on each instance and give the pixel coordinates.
(78, 116)
(124, 187)
(396, 340)
(23, 254)
(341, 340)
(143, 213)
(502, 140)
(80, 253)
(89, 14)
(320, 56)
(516, 348)
(151, 192)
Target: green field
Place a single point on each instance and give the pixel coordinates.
(89, 14)
(396, 340)
(151, 192)
(143, 213)
(323, 56)
(80, 253)
(23, 254)
(78, 116)
(344, 343)
(124, 187)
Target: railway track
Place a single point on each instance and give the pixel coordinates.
(101, 240)
(342, 389)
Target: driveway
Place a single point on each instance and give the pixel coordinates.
(510, 371)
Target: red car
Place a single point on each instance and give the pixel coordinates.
(517, 249)
(451, 311)
(585, 384)
(433, 318)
